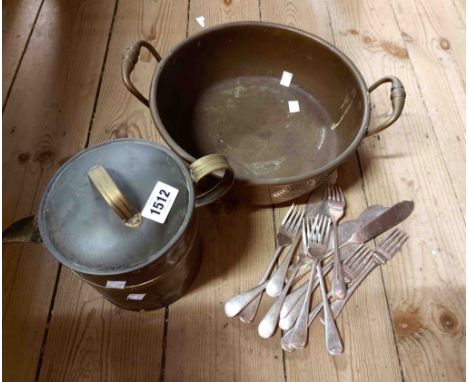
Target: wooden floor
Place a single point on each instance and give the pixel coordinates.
(62, 92)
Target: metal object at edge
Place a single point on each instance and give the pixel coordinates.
(85, 212)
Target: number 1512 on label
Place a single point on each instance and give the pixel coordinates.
(160, 202)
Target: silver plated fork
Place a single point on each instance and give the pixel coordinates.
(383, 253)
(268, 324)
(292, 298)
(317, 233)
(247, 303)
(352, 269)
(336, 205)
(352, 265)
(356, 273)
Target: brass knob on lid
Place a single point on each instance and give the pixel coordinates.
(114, 197)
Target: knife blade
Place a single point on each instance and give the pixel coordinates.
(394, 215)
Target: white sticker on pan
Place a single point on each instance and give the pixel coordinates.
(160, 202)
(286, 79)
(136, 297)
(293, 106)
(201, 21)
(115, 284)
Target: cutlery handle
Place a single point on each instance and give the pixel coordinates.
(247, 315)
(300, 330)
(338, 305)
(304, 269)
(338, 283)
(286, 341)
(266, 274)
(239, 302)
(249, 301)
(267, 326)
(317, 308)
(332, 335)
(287, 322)
(293, 297)
(276, 283)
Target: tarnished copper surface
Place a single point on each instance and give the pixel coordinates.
(162, 283)
(219, 91)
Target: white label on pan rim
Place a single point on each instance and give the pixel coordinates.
(293, 106)
(286, 79)
(136, 297)
(115, 284)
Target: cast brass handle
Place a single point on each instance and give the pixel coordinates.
(397, 96)
(210, 164)
(129, 60)
(113, 197)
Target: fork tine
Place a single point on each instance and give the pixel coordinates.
(334, 192)
(291, 218)
(363, 263)
(329, 231)
(288, 213)
(304, 236)
(350, 258)
(398, 245)
(392, 238)
(309, 233)
(310, 226)
(319, 229)
(298, 221)
(341, 196)
(397, 241)
(356, 257)
(326, 235)
(323, 220)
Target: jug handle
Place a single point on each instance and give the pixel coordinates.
(212, 164)
(397, 97)
(129, 60)
(25, 230)
(109, 191)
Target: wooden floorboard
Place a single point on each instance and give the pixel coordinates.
(18, 19)
(46, 120)
(407, 321)
(87, 333)
(461, 8)
(425, 283)
(434, 38)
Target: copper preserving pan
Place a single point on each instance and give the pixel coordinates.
(219, 91)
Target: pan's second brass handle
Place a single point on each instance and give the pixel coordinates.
(129, 60)
(113, 197)
(397, 96)
(210, 164)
